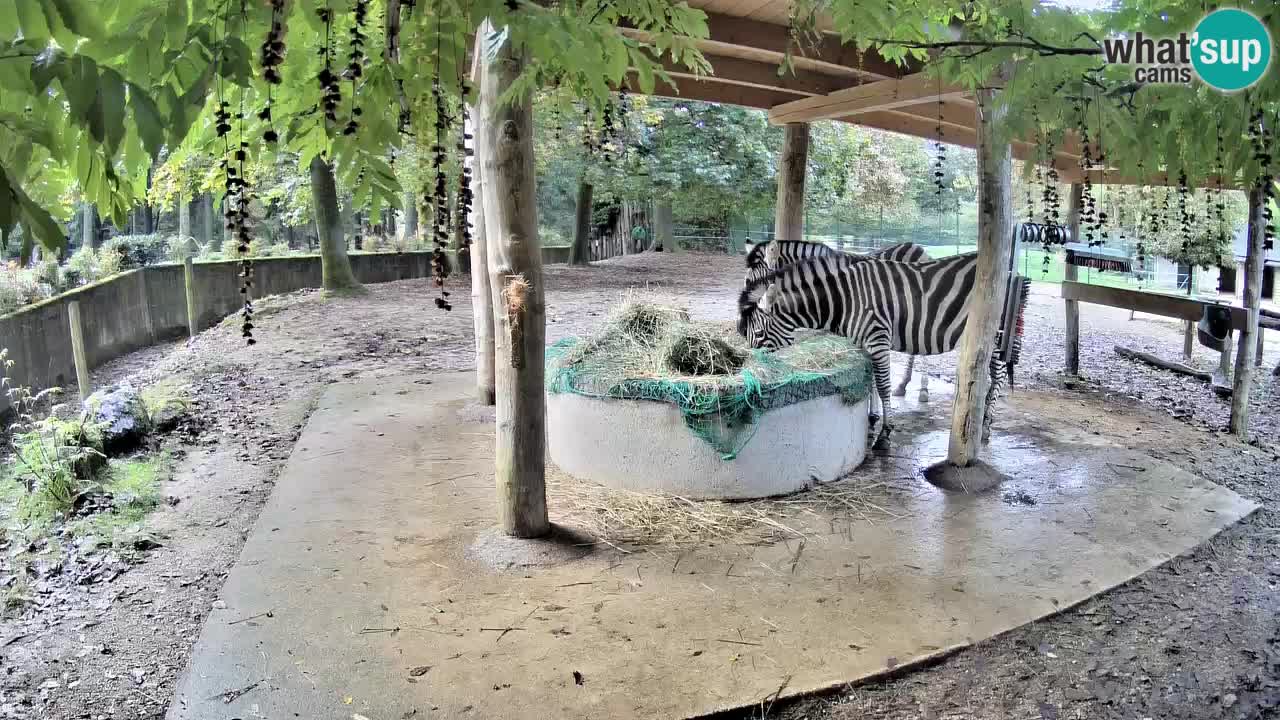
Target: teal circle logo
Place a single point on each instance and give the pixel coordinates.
(1231, 49)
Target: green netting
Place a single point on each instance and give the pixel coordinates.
(639, 352)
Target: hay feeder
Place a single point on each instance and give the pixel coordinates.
(657, 403)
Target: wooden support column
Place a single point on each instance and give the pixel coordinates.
(77, 349)
(189, 283)
(1252, 300)
(788, 222)
(663, 230)
(1072, 274)
(515, 277)
(481, 294)
(995, 244)
(1189, 326)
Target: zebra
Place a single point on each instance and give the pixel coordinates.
(763, 257)
(883, 305)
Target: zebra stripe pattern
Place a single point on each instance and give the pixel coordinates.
(883, 305)
(786, 252)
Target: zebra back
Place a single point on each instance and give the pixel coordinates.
(792, 251)
(922, 306)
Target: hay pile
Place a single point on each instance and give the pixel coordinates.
(642, 341)
(653, 352)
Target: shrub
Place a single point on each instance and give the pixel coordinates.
(53, 458)
(20, 287)
(133, 251)
(83, 267)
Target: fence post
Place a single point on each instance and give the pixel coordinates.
(77, 349)
(189, 279)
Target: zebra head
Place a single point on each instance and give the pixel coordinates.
(755, 307)
(757, 265)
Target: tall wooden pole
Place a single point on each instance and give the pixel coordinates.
(1252, 299)
(1189, 326)
(481, 294)
(515, 276)
(77, 350)
(1072, 274)
(995, 243)
(788, 219)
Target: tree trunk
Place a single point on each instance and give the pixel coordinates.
(335, 267)
(578, 254)
(481, 295)
(1072, 273)
(206, 224)
(409, 236)
(995, 243)
(663, 233)
(788, 223)
(90, 228)
(515, 274)
(624, 228)
(184, 219)
(1239, 424)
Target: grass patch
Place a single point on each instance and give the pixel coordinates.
(135, 487)
(166, 398)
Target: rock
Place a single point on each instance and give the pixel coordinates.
(122, 416)
(219, 605)
(138, 675)
(1229, 699)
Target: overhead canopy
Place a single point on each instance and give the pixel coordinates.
(832, 81)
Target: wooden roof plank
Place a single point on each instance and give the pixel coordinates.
(870, 97)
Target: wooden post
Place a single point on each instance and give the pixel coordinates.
(582, 224)
(663, 232)
(77, 349)
(1262, 343)
(515, 276)
(995, 244)
(788, 219)
(1072, 273)
(1221, 381)
(1239, 424)
(189, 280)
(481, 294)
(1189, 326)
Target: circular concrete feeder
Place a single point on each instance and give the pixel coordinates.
(645, 446)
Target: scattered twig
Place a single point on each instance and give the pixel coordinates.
(230, 696)
(740, 642)
(269, 613)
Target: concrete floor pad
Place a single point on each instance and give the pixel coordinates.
(390, 597)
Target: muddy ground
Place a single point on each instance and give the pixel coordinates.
(1197, 638)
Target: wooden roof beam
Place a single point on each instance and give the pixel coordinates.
(739, 71)
(730, 36)
(871, 97)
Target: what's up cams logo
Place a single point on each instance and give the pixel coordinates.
(1229, 50)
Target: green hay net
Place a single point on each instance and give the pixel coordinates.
(651, 352)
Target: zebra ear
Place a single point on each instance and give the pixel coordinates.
(770, 297)
(772, 254)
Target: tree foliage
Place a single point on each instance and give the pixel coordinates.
(94, 92)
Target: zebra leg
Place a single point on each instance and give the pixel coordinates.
(901, 390)
(878, 347)
(924, 381)
(997, 371)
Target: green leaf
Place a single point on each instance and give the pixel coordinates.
(236, 64)
(106, 115)
(31, 21)
(147, 117)
(81, 18)
(39, 226)
(80, 85)
(176, 22)
(8, 206)
(46, 66)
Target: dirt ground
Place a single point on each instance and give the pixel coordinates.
(1197, 638)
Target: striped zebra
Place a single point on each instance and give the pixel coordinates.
(883, 305)
(770, 255)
